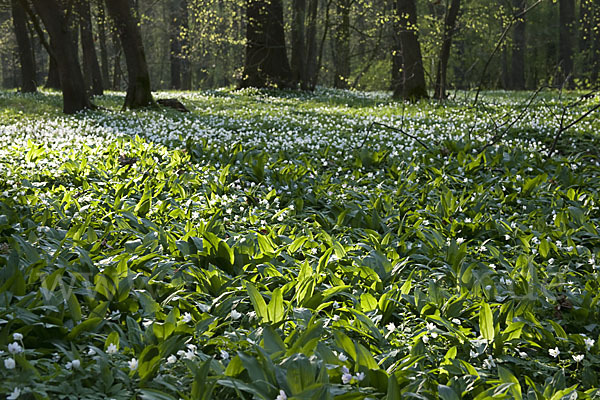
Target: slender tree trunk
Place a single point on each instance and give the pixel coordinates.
(311, 43)
(442, 67)
(566, 42)
(117, 71)
(266, 63)
(138, 88)
(413, 85)
(91, 67)
(26, 57)
(341, 59)
(103, 46)
(588, 35)
(75, 97)
(178, 41)
(298, 43)
(519, 45)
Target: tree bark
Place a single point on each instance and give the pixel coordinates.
(266, 63)
(28, 79)
(311, 44)
(178, 42)
(341, 59)
(75, 97)
(442, 67)
(298, 64)
(517, 72)
(413, 85)
(103, 46)
(91, 67)
(138, 89)
(566, 42)
(588, 38)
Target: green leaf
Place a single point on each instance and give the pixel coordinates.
(88, 325)
(486, 322)
(149, 362)
(507, 377)
(275, 309)
(260, 307)
(447, 393)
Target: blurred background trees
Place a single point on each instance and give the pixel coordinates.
(351, 44)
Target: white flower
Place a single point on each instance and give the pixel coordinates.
(14, 348)
(489, 363)
(456, 321)
(360, 376)
(578, 357)
(342, 357)
(430, 326)
(235, 314)
(9, 363)
(589, 343)
(133, 364)
(281, 395)
(76, 363)
(493, 266)
(224, 355)
(91, 352)
(460, 240)
(425, 338)
(473, 354)
(391, 327)
(112, 348)
(346, 378)
(554, 352)
(17, 336)
(14, 395)
(186, 317)
(69, 365)
(172, 359)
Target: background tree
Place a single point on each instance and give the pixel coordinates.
(449, 31)
(26, 58)
(91, 67)
(517, 75)
(266, 62)
(566, 43)
(75, 97)
(138, 89)
(412, 85)
(180, 68)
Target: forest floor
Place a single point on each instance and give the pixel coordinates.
(323, 245)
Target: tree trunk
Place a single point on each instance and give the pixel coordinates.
(442, 67)
(28, 82)
(310, 64)
(413, 85)
(298, 43)
(266, 63)
(341, 59)
(138, 88)
(75, 97)
(517, 71)
(92, 74)
(178, 41)
(566, 42)
(588, 35)
(103, 46)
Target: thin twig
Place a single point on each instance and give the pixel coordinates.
(394, 129)
(564, 128)
(499, 136)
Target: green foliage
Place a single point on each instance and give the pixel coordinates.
(273, 243)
